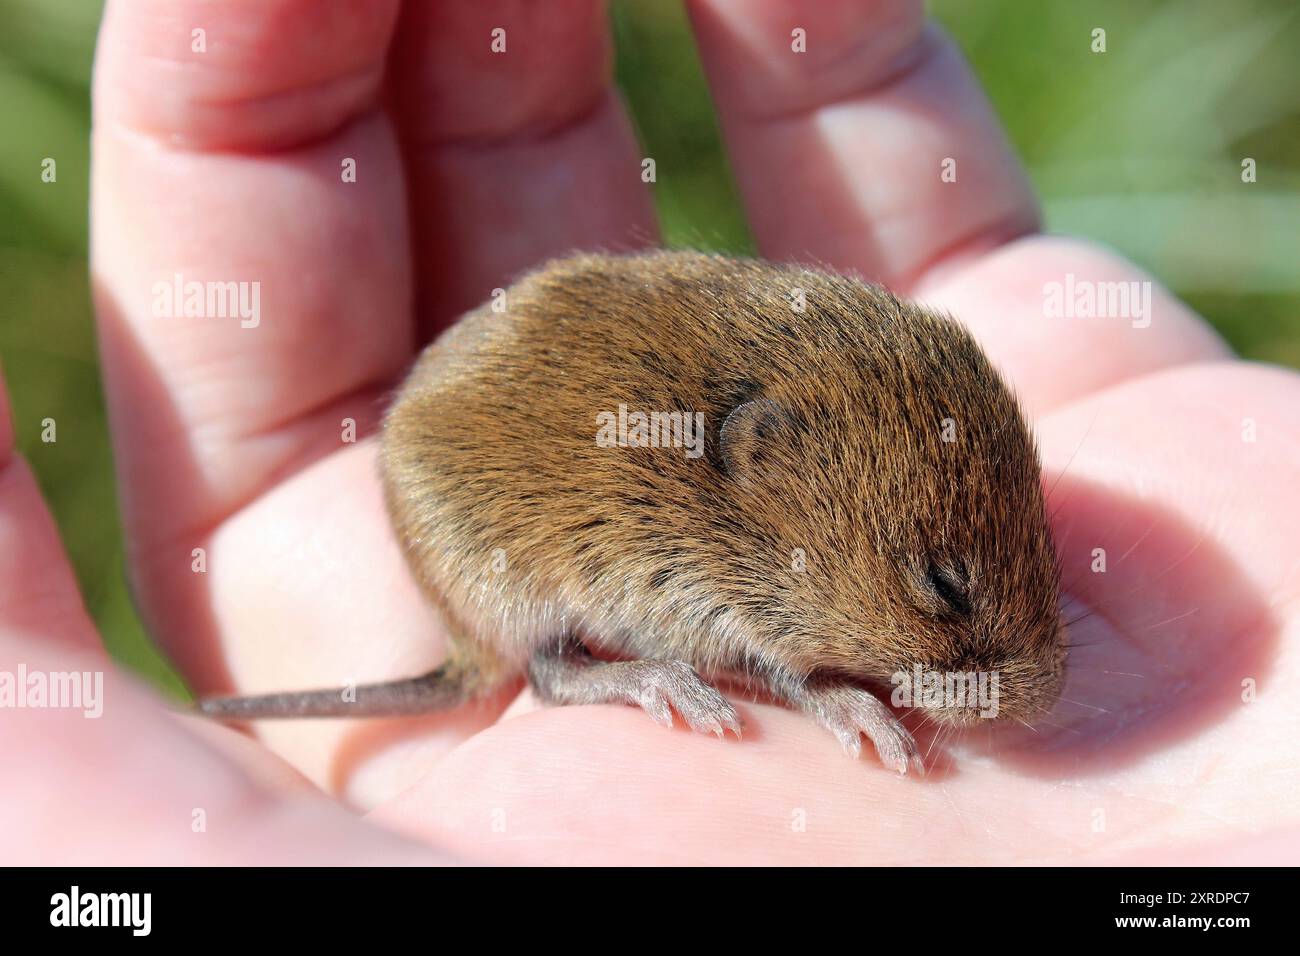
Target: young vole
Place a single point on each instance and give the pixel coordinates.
(860, 499)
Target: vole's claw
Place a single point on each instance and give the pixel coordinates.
(701, 705)
(850, 713)
(654, 704)
(728, 722)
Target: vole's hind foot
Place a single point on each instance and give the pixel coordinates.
(572, 676)
(850, 712)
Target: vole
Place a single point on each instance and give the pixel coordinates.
(632, 475)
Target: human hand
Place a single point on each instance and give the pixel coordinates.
(226, 166)
(98, 772)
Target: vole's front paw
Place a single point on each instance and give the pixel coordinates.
(665, 686)
(849, 712)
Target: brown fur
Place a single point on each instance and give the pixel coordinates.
(827, 537)
(917, 550)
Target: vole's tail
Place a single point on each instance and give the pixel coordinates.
(440, 689)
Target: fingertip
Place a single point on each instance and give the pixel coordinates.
(862, 112)
(777, 57)
(243, 74)
(478, 73)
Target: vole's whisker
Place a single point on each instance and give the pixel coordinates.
(1109, 673)
(1170, 620)
(1079, 703)
(1062, 727)
(926, 719)
(1070, 462)
(1142, 537)
(1082, 617)
(928, 750)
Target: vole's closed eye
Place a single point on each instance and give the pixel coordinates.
(949, 588)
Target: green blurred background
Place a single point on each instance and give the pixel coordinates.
(1140, 148)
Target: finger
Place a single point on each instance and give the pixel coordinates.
(309, 588)
(122, 783)
(514, 156)
(76, 736)
(840, 151)
(220, 159)
(1062, 318)
(227, 163)
(37, 586)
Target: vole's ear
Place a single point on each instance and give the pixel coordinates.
(747, 437)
